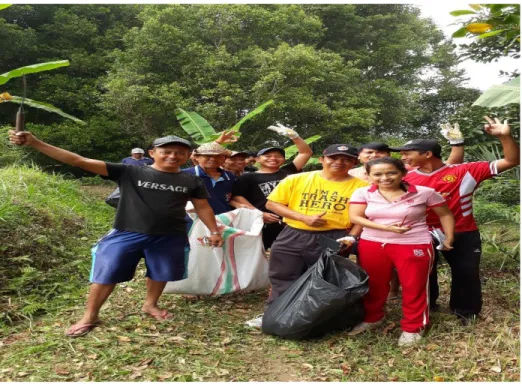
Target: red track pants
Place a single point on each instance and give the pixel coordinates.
(413, 263)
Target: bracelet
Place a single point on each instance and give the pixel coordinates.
(355, 237)
(215, 233)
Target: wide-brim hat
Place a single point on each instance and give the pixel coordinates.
(212, 149)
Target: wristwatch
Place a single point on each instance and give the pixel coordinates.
(215, 233)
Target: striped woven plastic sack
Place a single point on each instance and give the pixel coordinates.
(239, 265)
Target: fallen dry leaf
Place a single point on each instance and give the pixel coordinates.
(145, 362)
(438, 378)
(226, 341)
(390, 363)
(388, 328)
(125, 339)
(22, 374)
(94, 356)
(496, 369)
(60, 371)
(346, 368)
(135, 375)
(307, 366)
(5, 370)
(222, 372)
(177, 339)
(165, 376)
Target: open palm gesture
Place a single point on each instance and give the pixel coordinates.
(496, 128)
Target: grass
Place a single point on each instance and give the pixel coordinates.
(206, 340)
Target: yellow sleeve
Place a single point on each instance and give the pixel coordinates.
(281, 194)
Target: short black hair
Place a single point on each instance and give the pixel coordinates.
(386, 160)
(376, 146)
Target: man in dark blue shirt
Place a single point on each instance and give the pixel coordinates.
(137, 157)
(210, 158)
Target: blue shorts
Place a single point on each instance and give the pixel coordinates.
(117, 254)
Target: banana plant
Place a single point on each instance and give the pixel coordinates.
(22, 72)
(200, 129)
(202, 132)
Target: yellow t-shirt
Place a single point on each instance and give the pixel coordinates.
(310, 194)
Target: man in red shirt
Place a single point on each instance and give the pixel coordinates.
(456, 183)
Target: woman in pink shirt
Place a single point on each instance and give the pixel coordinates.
(395, 234)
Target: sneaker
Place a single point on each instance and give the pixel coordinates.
(408, 338)
(363, 327)
(256, 322)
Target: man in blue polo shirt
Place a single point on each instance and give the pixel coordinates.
(210, 158)
(137, 157)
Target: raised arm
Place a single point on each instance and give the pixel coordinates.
(304, 152)
(456, 140)
(510, 147)
(70, 158)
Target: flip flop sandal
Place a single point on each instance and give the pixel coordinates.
(163, 316)
(80, 330)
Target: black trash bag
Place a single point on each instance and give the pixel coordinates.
(114, 198)
(328, 297)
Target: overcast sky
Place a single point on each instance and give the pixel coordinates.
(482, 76)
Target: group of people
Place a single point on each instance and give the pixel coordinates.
(388, 205)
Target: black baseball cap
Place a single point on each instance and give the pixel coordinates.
(237, 153)
(420, 145)
(376, 146)
(341, 149)
(170, 140)
(270, 149)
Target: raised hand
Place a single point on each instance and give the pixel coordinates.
(284, 131)
(227, 137)
(21, 138)
(315, 220)
(496, 128)
(452, 134)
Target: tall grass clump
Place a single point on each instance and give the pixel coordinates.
(47, 225)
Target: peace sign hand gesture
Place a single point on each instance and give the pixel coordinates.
(496, 128)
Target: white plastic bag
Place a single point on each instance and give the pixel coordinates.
(239, 265)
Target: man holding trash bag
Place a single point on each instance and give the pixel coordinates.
(150, 222)
(312, 204)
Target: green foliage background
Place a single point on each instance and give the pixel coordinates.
(350, 72)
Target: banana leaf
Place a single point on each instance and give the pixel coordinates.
(292, 150)
(251, 114)
(45, 107)
(500, 95)
(18, 72)
(196, 126)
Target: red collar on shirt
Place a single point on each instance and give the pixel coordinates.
(411, 188)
